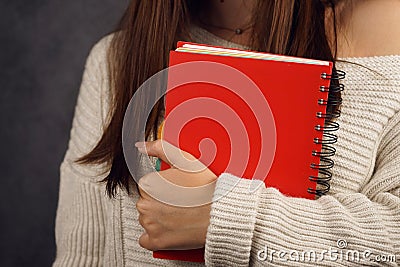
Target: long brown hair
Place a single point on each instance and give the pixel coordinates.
(149, 29)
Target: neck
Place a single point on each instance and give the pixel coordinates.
(229, 14)
(224, 17)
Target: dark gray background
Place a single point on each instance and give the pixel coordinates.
(43, 46)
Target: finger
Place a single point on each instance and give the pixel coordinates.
(152, 148)
(144, 196)
(183, 179)
(145, 242)
(190, 190)
(171, 155)
(141, 203)
(142, 222)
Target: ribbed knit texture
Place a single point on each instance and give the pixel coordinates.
(362, 207)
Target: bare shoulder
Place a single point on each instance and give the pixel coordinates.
(369, 28)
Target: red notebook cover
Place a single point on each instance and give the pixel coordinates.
(280, 139)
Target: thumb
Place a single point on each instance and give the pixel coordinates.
(171, 155)
(153, 148)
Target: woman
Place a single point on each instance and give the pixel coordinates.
(360, 213)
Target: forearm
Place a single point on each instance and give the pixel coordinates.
(80, 233)
(244, 225)
(366, 215)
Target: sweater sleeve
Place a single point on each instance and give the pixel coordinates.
(269, 228)
(80, 221)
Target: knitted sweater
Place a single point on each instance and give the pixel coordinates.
(361, 212)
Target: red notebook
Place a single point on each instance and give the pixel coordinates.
(262, 112)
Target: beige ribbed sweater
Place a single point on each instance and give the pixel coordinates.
(362, 207)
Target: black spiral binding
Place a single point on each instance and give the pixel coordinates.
(328, 137)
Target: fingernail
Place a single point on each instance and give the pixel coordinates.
(140, 144)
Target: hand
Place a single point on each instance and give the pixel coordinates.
(174, 207)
